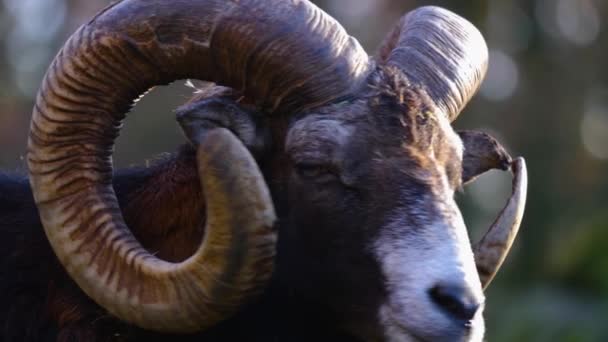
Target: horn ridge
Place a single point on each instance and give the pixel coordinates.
(440, 51)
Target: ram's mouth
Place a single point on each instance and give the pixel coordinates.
(396, 330)
(405, 335)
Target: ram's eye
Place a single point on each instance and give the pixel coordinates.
(313, 171)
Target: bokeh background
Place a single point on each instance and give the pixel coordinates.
(545, 97)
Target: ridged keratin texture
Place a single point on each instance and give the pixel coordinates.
(491, 251)
(286, 55)
(441, 52)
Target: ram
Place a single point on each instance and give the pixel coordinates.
(314, 201)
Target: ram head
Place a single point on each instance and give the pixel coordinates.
(355, 155)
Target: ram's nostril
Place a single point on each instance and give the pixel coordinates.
(457, 301)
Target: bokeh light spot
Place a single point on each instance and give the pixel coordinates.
(594, 126)
(578, 21)
(502, 78)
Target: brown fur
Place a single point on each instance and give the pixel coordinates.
(167, 212)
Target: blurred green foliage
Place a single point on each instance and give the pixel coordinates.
(545, 97)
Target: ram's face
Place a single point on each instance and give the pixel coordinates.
(371, 196)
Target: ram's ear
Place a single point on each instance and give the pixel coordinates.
(481, 153)
(214, 106)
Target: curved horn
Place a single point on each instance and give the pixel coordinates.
(440, 51)
(287, 55)
(491, 251)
